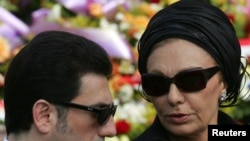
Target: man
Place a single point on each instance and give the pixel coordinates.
(56, 89)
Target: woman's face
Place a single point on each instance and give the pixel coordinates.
(185, 113)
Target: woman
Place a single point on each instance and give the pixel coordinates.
(190, 63)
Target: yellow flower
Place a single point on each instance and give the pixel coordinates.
(168, 2)
(4, 50)
(147, 9)
(95, 10)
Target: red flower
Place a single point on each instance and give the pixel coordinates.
(247, 29)
(154, 1)
(231, 17)
(122, 127)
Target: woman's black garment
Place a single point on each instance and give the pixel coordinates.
(156, 131)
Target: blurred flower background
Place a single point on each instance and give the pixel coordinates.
(116, 25)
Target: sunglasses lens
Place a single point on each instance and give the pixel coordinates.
(155, 85)
(103, 117)
(105, 113)
(191, 81)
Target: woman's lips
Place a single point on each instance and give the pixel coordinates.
(179, 118)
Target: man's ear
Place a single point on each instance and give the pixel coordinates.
(44, 116)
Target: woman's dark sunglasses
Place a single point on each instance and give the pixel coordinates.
(188, 81)
(103, 113)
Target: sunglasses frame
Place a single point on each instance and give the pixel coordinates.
(206, 74)
(101, 112)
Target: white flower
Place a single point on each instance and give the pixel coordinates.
(133, 112)
(105, 24)
(112, 139)
(125, 93)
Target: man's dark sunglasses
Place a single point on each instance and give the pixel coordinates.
(188, 81)
(103, 113)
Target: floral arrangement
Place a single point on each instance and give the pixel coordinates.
(119, 24)
(239, 13)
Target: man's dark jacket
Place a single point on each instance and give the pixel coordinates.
(156, 131)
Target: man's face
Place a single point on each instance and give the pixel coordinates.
(82, 125)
